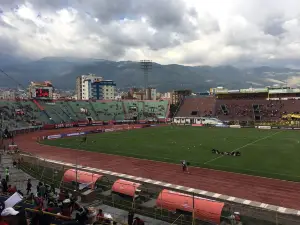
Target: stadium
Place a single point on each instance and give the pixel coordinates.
(137, 141)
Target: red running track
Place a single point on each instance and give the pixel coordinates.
(270, 191)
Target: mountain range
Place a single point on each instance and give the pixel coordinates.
(62, 71)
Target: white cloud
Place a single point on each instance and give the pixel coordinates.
(193, 32)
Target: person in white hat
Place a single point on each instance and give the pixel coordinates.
(9, 212)
(9, 216)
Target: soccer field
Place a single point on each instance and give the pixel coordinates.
(267, 153)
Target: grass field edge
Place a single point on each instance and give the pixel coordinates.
(215, 167)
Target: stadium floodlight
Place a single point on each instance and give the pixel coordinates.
(146, 66)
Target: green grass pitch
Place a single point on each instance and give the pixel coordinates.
(267, 153)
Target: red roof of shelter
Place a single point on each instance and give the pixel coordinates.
(205, 209)
(125, 187)
(82, 177)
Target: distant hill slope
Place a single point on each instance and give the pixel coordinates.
(62, 72)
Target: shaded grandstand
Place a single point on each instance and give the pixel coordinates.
(20, 113)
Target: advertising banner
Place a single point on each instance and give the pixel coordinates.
(76, 134)
(97, 123)
(54, 136)
(221, 125)
(264, 127)
(82, 124)
(197, 125)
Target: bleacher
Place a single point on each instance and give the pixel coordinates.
(22, 113)
(238, 109)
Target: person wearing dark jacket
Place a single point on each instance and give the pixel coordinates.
(29, 185)
(130, 218)
(138, 221)
(4, 185)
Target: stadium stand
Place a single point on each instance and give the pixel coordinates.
(238, 109)
(22, 113)
(197, 106)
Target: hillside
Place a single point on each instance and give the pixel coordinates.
(128, 74)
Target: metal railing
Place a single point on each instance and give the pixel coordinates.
(250, 214)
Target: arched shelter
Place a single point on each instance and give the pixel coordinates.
(84, 178)
(204, 209)
(126, 187)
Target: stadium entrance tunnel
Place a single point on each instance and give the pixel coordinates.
(204, 209)
(85, 180)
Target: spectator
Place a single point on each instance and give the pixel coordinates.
(4, 185)
(100, 216)
(38, 187)
(130, 217)
(9, 216)
(30, 199)
(14, 163)
(66, 208)
(42, 190)
(7, 174)
(29, 185)
(138, 221)
(11, 189)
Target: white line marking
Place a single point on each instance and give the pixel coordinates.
(247, 202)
(244, 146)
(198, 167)
(263, 205)
(216, 195)
(281, 209)
(231, 199)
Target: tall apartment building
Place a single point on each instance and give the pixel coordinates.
(178, 95)
(103, 90)
(92, 87)
(7, 95)
(84, 86)
(151, 94)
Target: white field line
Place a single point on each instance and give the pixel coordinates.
(246, 145)
(218, 170)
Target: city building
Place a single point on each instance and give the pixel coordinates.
(178, 95)
(151, 94)
(84, 86)
(56, 96)
(7, 94)
(103, 90)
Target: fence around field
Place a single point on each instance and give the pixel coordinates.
(52, 173)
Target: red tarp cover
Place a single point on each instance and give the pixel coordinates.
(82, 177)
(205, 209)
(125, 187)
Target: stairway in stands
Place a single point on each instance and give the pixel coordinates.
(256, 112)
(124, 109)
(43, 111)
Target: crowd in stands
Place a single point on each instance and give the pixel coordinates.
(31, 113)
(263, 110)
(245, 108)
(41, 205)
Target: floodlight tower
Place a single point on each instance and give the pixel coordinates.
(146, 66)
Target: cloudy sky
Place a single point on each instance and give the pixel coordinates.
(191, 32)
